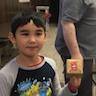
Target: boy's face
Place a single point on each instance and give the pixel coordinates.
(29, 39)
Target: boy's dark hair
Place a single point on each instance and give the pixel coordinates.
(24, 17)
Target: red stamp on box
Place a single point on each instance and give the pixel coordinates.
(74, 66)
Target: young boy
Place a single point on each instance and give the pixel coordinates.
(29, 73)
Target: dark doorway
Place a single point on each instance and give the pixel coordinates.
(54, 10)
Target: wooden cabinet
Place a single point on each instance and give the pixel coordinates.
(9, 8)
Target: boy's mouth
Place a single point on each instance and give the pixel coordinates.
(32, 47)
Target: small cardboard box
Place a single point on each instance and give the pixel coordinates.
(74, 66)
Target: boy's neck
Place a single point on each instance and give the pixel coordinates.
(29, 61)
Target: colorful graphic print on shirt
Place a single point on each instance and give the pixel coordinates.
(35, 88)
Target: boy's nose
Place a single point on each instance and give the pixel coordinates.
(32, 39)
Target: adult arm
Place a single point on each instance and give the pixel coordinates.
(70, 38)
(70, 15)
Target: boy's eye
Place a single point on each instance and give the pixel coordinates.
(26, 34)
(39, 33)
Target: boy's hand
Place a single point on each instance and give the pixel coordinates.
(74, 83)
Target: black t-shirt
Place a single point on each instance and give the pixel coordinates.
(34, 82)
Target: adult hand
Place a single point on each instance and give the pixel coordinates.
(77, 56)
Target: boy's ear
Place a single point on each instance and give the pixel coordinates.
(11, 38)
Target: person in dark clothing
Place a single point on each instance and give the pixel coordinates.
(76, 37)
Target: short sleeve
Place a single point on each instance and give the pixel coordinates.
(73, 10)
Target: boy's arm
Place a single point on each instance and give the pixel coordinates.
(56, 84)
(71, 89)
(65, 91)
(4, 86)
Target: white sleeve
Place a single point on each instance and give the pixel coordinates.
(4, 86)
(56, 83)
(8, 76)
